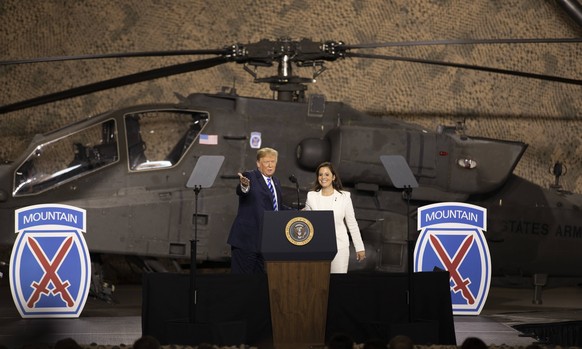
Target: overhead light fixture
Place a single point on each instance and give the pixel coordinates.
(467, 163)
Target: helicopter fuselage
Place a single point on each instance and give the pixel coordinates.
(128, 169)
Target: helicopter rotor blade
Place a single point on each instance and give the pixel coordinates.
(263, 53)
(347, 47)
(466, 42)
(573, 9)
(470, 67)
(115, 55)
(116, 82)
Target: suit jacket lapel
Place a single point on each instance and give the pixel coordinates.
(265, 188)
(277, 190)
(261, 180)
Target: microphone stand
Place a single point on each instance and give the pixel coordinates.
(402, 177)
(293, 179)
(407, 194)
(193, 251)
(190, 330)
(298, 202)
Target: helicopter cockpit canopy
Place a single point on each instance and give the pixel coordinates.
(85, 151)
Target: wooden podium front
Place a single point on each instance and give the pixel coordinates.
(298, 247)
(298, 294)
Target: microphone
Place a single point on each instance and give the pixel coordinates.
(293, 179)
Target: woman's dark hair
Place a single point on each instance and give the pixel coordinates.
(336, 183)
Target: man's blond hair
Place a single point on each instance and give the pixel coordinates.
(261, 153)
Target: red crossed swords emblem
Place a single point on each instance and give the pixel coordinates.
(50, 273)
(452, 265)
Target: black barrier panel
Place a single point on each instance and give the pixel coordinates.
(375, 306)
(566, 334)
(363, 305)
(223, 301)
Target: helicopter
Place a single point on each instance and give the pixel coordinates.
(128, 167)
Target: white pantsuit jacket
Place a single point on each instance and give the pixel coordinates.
(341, 205)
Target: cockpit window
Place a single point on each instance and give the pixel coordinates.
(58, 161)
(159, 139)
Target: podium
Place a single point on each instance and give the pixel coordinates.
(298, 247)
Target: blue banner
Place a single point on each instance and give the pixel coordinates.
(50, 215)
(451, 214)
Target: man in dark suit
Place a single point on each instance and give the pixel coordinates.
(259, 191)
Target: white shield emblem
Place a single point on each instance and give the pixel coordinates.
(452, 239)
(50, 267)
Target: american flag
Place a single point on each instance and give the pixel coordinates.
(208, 139)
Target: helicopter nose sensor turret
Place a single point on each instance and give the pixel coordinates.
(311, 152)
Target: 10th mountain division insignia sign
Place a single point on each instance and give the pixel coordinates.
(50, 267)
(452, 238)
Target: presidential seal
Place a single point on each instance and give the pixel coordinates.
(299, 231)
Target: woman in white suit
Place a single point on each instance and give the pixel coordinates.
(327, 194)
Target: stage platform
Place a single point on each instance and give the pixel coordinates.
(121, 322)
